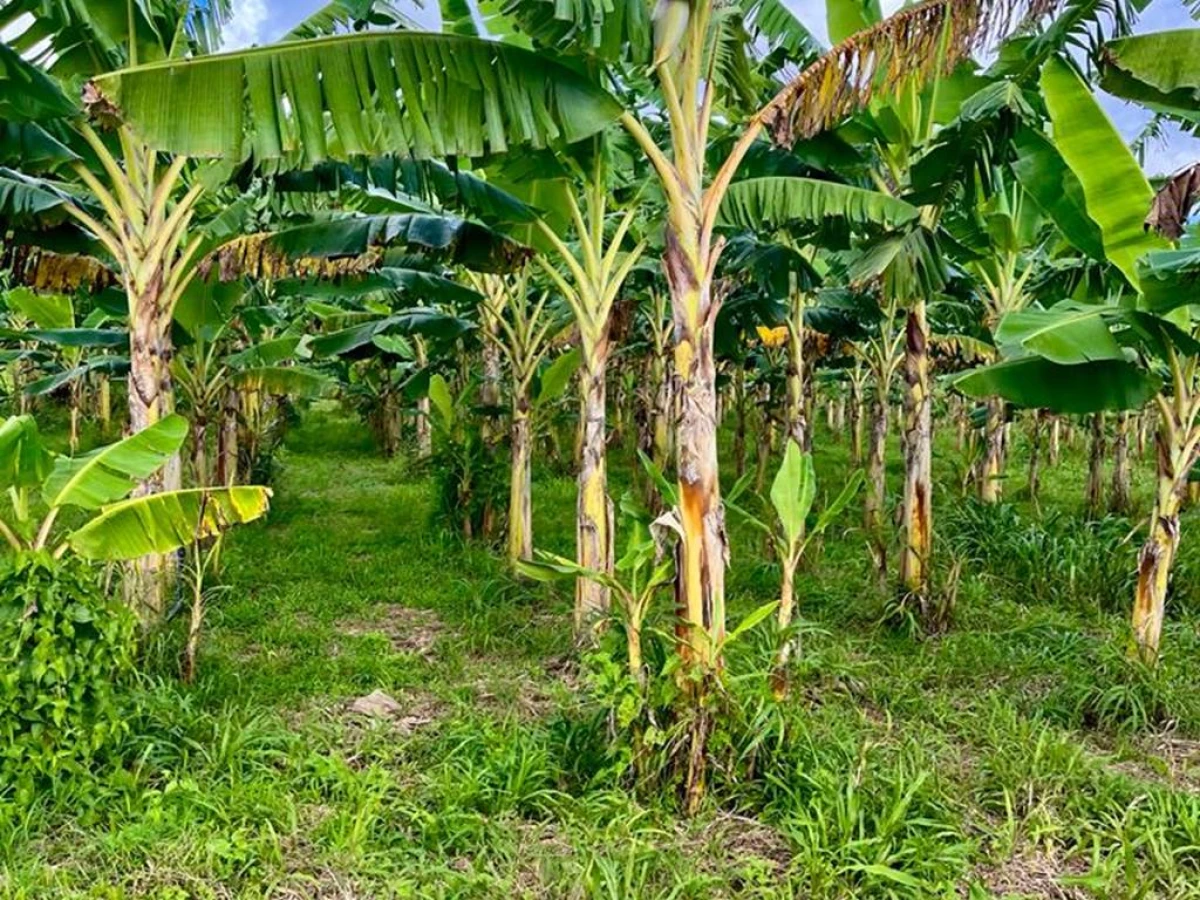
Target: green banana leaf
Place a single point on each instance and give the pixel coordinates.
(109, 473)
(160, 523)
(24, 461)
(1068, 333)
(793, 491)
(1056, 190)
(454, 240)
(1161, 69)
(435, 95)
(1037, 383)
(778, 201)
(844, 18)
(419, 320)
(1115, 190)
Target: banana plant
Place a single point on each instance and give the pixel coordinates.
(121, 528)
(793, 493)
(1079, 358)
(638, 576)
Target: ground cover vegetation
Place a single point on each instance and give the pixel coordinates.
(597, 450)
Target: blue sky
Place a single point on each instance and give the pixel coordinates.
(262, 21)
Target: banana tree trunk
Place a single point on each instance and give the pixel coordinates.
(877, 482)
(593, 512)
(1035, 456)
(389, 423)
(990, 484)
(1176, 452)
(798, 408)
(200, 448)
(855, 411)
(1121, 498)
(423, 427)
(790, 645)
(151, 398)
(661, 412)
(227, 439)
(104, 403)
(766, 440)
(1095, 482)
(489, 398)
(703, 548)
(739, 434)
(75, 400)
(958, 409)
(918, 483)
(520, 498)
(1053, 449)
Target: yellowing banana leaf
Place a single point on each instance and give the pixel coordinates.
(413, 93)
(102, 476)
(160, 523)
(293, 381)
(1115, 190)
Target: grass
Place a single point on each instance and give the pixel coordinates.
(1019, 755)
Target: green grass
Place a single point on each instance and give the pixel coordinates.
(1018, 755)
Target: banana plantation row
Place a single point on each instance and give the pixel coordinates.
(689, 215)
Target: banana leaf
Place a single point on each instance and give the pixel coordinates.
(109, 473)
(161, 523)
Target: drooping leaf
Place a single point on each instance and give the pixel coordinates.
(292, 381)
(1160, 69)
(1170, 279)
(882, 58)
(27, 94)
(71, 337)
(413, 93)
(109, 473)
(271, 353)
(775, 202)
(1174, 201)
(160, 523)
(451, 239)
(418, 320)
(1037, 383)
(110, 365)
(403, 283)
(1067, 333)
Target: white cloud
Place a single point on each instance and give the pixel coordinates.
(245, 26)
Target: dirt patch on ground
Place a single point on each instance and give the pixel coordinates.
(729, 842)
(408, 630)
(1165, 760)
(1030, 873)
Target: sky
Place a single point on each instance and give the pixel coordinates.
(263, 21)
